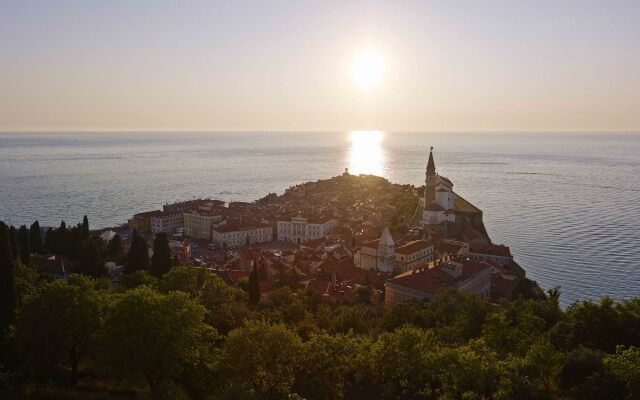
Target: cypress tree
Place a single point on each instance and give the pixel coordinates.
(161, 259)
(138, 257)
(114, 248)
(13, 243)
(49, 239)
(85, 227)
(8, 292)
(254, 285)
(91, 258)
(23, 243)
(35, 237)
(61, 239)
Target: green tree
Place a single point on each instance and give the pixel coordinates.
(13, 243)
(55, 327)
(254, 286)
(49, 240)
(114, 249)
(205, 287)
(364, 294)
(153, 337)
(401, 363)
(334, 367)
(23, 244)
(84, 227)
(8, 293)
(161, 259)
(91, 258)
(624, 365)
(138, 257)
(35, 237)
(262, 358)
(61, 240)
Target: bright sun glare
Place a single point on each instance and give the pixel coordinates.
(367, 155)
(368, 69)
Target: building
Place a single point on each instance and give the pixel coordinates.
(439, 198)
(230, 235)
(498, 253)
(141, 222)
(198, 225)
(378, 255)
(413, 254)
(166, 222)
(301, 229)
(425, 283)
(451, 248)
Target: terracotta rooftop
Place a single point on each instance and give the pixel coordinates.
(434, 279)
(413, 247)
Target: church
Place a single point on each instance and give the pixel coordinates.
(439, 199)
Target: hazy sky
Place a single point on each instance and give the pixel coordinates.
(267, 65)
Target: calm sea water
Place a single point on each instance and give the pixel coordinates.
(567, 204)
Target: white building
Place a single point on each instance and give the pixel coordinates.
(439, 198)
(198, 225)
(228, 236)
(166, 222)
(300, 229)
(378, 255)
(414, 254)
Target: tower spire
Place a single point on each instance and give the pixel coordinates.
(431, 166)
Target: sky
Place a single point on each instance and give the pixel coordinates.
(276, 65)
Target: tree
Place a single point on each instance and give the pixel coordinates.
(334, 367)
(84, 227)
(61, 240)
(254, 286)
(23, 243)
(624, 365)
(262, 358)
(91, 258)
(161, 259)
(205, 287)
(153, 336)
(55, 327)
(401, 362)
(49, 240)
(8, 293)
(114, 249)
(13, 243)
(35, 237)
(138, 257)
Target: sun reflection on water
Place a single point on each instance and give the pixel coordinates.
(366, 155)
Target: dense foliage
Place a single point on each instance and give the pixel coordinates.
(187, 334)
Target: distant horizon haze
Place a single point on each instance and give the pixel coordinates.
(320, 66)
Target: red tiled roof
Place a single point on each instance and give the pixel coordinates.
(413, 247)
(492, 249)
(434, 279)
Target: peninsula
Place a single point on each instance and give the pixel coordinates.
(338, 234)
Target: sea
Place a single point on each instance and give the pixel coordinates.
(568, 204)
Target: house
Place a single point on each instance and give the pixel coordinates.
(413, 254)
(198, 224)
(232, 235)
(301, 229)
(425, 283)
(498, 253)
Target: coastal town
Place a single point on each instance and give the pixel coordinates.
(403, 243)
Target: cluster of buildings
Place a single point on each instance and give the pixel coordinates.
(333, 236)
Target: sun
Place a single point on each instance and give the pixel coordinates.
(368, 68)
